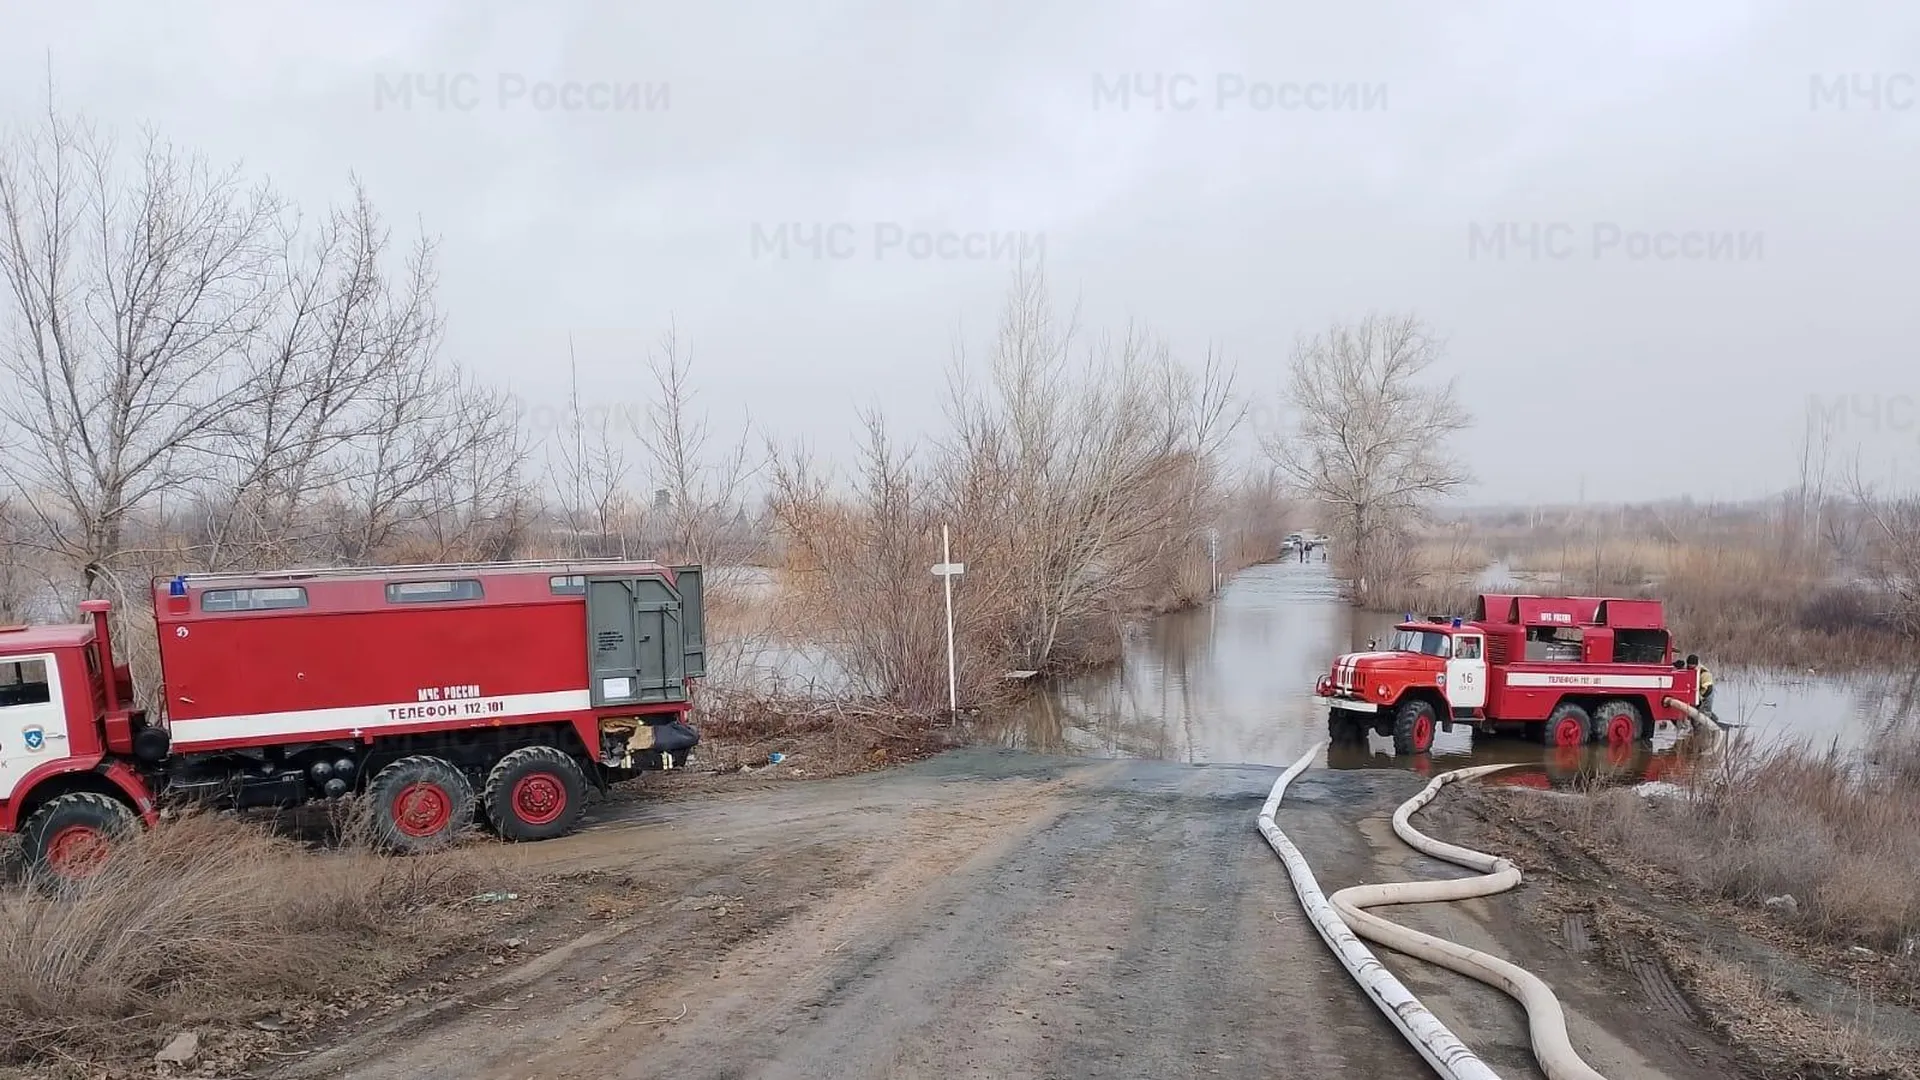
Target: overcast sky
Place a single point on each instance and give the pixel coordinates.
(1306, 162)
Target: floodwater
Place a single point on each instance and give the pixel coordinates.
(1232, 683)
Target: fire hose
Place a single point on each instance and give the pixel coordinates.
(1338, 920)
(1700, 719)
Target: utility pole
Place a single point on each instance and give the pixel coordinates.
(947, 571)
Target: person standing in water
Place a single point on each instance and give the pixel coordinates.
(1705, 682)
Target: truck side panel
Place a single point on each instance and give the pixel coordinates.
(239, 680)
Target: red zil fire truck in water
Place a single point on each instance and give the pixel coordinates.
(1564, 670)
(436, 693)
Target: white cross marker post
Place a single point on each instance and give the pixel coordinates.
(947, 570)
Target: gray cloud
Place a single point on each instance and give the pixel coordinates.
(1646, 376)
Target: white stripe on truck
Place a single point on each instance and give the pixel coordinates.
(1610, 682)
(368, 718)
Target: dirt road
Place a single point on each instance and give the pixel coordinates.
(985, 914)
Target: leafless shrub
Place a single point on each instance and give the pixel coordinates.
(1078, 485)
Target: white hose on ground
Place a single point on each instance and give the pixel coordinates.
(1546, 1021)
(1442, 1050)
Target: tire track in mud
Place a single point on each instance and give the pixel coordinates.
(1119, 919)
(1132, 932)
(816, 878)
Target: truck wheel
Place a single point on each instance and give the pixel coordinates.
(418, 804)
(71, 838)
(1616, 723)
(1568, 726)
(1413, 728)
(536, 793)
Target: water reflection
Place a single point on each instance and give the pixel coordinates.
(1850, 712)
(1232, 683)
(1669, 759)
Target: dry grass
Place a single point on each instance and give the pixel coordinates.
(1740, 585)
(1437, 573)
(209, 919)
(1840, 837)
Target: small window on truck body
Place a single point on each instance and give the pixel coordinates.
(562, 585)
(24, 682)
(266, 599)
(428, 592)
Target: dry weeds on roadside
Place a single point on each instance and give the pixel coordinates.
(1742, 584)
(211, 919)
(1842, 839)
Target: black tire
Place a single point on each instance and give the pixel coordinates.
(1563, 715)
(1610, 714)
(536, 793)
(1414, 723)
(49, 835)
(418, 804)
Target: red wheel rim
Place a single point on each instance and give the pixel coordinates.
(77, 851)
(1422, 732)
(1620, 729)
(422, 809)
(1567, 733)
(539, 798)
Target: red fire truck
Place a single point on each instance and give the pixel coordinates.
(438, 693)
(1564, 670)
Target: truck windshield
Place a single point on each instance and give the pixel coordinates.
(1430, 642)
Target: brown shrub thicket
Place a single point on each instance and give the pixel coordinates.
(1078, 484)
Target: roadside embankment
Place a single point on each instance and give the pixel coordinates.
(1780, 887)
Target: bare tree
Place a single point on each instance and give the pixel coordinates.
(704, 513)
(1373, 440)
(441, 453)
(590, 477)
(1893, 553)
(129, 313)
(1808, 518)
(341, 333)
(21, 576)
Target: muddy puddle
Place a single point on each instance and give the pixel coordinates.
(1231, 683)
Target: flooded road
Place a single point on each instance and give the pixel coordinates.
(1232, 683)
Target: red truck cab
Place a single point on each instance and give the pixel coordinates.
(74, 751)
